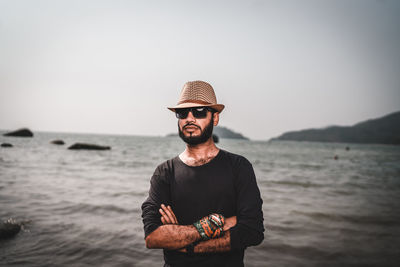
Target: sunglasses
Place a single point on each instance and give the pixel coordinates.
(198, 112)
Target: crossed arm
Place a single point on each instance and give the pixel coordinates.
(173, 236)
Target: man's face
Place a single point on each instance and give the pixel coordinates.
(194, 131)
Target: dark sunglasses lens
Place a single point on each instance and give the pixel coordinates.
(200, 112)
(181, 113)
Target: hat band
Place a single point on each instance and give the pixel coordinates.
(195, 101)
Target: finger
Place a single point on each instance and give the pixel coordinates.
(164, 219)
(168, 213)
(165, 216)
(226, 227)
(173, 214)
(229, 223)
(170, 216)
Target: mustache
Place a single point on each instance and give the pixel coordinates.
(191, 124)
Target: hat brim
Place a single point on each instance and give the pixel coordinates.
(217, 107)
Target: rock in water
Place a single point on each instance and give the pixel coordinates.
(9, 229)
(6, 145)
(57, 142)
(88, 147)
(24, 132)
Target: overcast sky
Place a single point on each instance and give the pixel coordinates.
(114, 66)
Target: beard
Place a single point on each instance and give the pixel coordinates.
(202, 138)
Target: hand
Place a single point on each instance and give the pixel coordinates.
(167, 215)
(229, 223)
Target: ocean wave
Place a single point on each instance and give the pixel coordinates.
(298, 251)
(129, 193)
(354, 218)
(295, 183)
(93, 209)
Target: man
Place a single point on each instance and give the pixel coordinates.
(204, 206)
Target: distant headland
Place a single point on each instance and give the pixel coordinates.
(223, 132)
(384, 130)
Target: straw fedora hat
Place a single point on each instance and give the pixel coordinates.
(198, 94)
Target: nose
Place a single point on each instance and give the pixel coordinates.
(190, 117)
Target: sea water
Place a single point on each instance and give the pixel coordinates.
(82, 208)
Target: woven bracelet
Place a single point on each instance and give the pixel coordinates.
(200, 229)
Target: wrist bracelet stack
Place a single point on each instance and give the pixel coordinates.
(210, 226)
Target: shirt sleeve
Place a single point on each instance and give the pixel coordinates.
(249, 229)
(159, 193)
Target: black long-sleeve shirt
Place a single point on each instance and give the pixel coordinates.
(225, 185)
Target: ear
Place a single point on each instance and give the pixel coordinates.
(216, 118)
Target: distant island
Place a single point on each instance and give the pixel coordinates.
(223, 132)
(384, 130)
